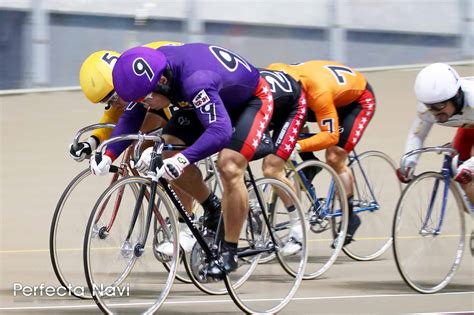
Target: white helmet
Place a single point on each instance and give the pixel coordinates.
(436, 83)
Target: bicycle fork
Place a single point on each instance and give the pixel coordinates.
(437, 230)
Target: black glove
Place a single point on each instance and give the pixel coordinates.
(83, 149)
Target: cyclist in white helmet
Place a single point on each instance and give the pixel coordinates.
(446, 99)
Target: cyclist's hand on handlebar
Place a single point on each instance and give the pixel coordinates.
(401, 177)
(464, 175)
(144, 162)
(405, 175)
(101, 168)
(82, 149)
(173, 167)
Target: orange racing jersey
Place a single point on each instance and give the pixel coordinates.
(327, 85)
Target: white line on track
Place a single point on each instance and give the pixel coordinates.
(201, 301)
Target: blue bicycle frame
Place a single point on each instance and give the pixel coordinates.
(324, 211)
(447, 173)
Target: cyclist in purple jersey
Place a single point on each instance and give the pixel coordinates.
(232, 104)
(96, 83)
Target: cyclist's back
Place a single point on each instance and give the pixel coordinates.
(317, 78)
(207, 67)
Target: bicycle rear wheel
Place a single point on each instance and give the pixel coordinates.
(119, 274)
(376, 192)
(325, 205)
(268, 287)
(70, 220)
(428, 245)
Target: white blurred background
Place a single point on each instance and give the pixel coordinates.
(43, 42)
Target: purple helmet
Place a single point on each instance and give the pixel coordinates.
(137, 72)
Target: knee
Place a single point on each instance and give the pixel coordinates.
(230, 170)
(273, 167)
(332, 159)
(336, 160)
(270, 171)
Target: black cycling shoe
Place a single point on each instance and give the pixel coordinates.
(211, 220)
(352, 227)
(212, 213)
(228, 263)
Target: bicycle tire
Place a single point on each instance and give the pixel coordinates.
(326, 211)
(249, 297)
(126, 254)
(61, 275)
(374, 235)
(418, 265)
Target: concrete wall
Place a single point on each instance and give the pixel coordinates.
(379, 33)
(421, 16)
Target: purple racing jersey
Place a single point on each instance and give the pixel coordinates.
(213, 81)
(217, 83)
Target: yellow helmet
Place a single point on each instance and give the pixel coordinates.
(156, 45)
(95, 75)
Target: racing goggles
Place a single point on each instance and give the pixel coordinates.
(436, 107)
(111, 98)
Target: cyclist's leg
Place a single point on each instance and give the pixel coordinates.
(234, 202)
(353, 120)
(287, 123)
(249, 126)
(464, 143)
(286, 127)
(310, 172)
(336, 157)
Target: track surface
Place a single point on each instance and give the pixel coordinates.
(36, 130)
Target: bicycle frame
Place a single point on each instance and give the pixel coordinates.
(310, 189)
(447, 173)
(374, 205)
(325, 212)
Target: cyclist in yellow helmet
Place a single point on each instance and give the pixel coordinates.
(96, 82)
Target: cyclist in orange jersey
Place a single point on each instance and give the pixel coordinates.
(342, 103)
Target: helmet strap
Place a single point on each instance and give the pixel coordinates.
(458, 101)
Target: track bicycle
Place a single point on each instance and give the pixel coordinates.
(68, 220)
(117, 257)
(429, 226)
(375, 186)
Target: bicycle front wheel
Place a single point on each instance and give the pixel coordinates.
(70, 220)
(376, 192)
(428, 232)
(120, 272)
